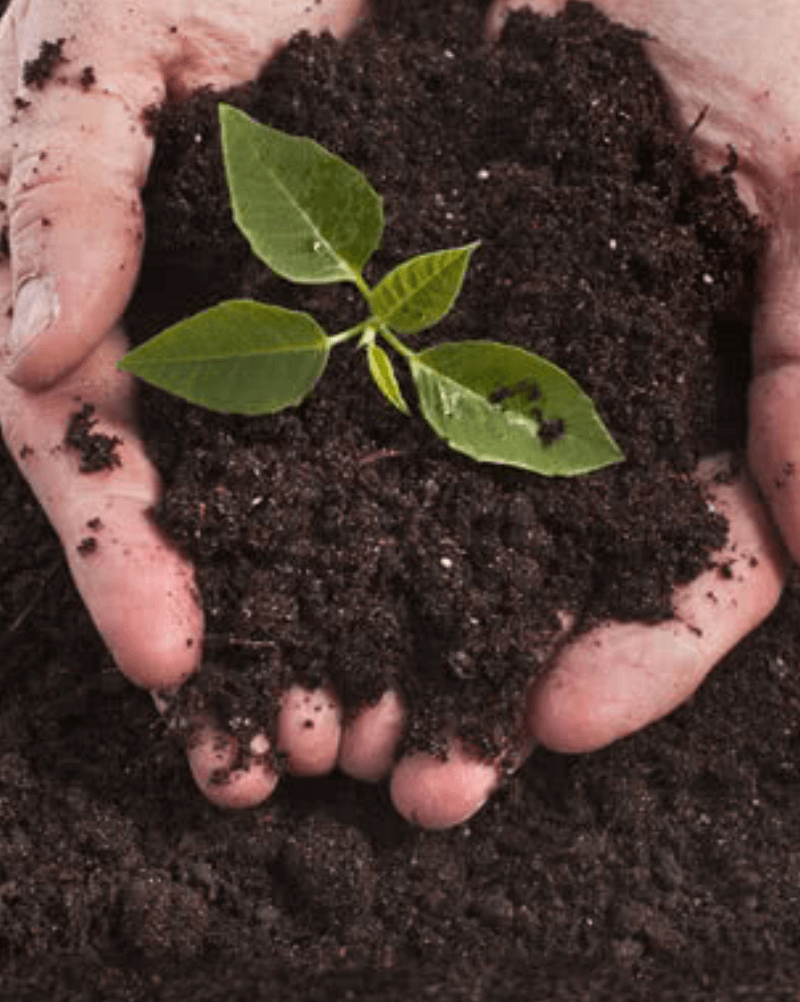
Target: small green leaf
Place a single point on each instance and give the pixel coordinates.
(419, 292)
(502, 404)
(239, 357)
(380, 367)
(308, 214)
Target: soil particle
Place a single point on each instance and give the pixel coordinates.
(88, 78)
(36, 72)
(97, 450)
(87, 546)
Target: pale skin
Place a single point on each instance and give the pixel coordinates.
(68, 280)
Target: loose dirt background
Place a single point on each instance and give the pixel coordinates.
(665, 867)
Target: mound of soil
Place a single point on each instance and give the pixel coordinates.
(341, 543)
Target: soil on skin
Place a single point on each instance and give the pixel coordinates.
(341, 543)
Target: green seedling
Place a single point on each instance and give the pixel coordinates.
(313, 218)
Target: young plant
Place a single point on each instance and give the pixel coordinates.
(313, 218)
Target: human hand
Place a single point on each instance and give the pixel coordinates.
(737, 76)
(75, 79)
(618, 678)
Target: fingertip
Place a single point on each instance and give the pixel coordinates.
(211, 756)
(74, 280)
(439, 793)
(610, 683)
(369, 742)
(161, 658)
(309, 731)
(141, 596)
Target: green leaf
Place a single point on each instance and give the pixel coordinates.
(419, 292)
(308, 215)
(239, 357)
(502, 404)
(380, 367)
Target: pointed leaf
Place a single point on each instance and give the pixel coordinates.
(380, 367)
(501, 404)
(239, 357)
(308, 214)
(419, 292)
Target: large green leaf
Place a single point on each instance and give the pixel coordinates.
(307, 214)
(239, 357)
(419, 292)
(380, 367)
(502, 404)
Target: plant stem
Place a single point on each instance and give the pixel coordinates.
(396, 343)
(347, 335)
(362, 286)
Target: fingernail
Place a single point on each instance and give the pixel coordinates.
(36, 307)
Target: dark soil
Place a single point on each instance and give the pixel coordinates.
(340, 543)
(37, 72)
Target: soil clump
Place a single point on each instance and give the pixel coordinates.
(340, 543)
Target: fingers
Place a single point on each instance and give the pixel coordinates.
(369, 742)
(74, 159)
(311, 740)
(605, 685)
(619, 677)
(440, 793)
(76, 147)
(212, 759)
(138, 589)
(308, 737)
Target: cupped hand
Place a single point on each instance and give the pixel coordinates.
(75, 81)
(734, 78)
(72, 163)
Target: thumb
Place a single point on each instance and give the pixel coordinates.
(79, 159)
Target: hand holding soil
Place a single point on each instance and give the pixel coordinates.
(74, 162)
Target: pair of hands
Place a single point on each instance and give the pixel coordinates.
(72, 164)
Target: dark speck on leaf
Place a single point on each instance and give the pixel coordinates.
(499, 395)
(525, 386)
(551, 430)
